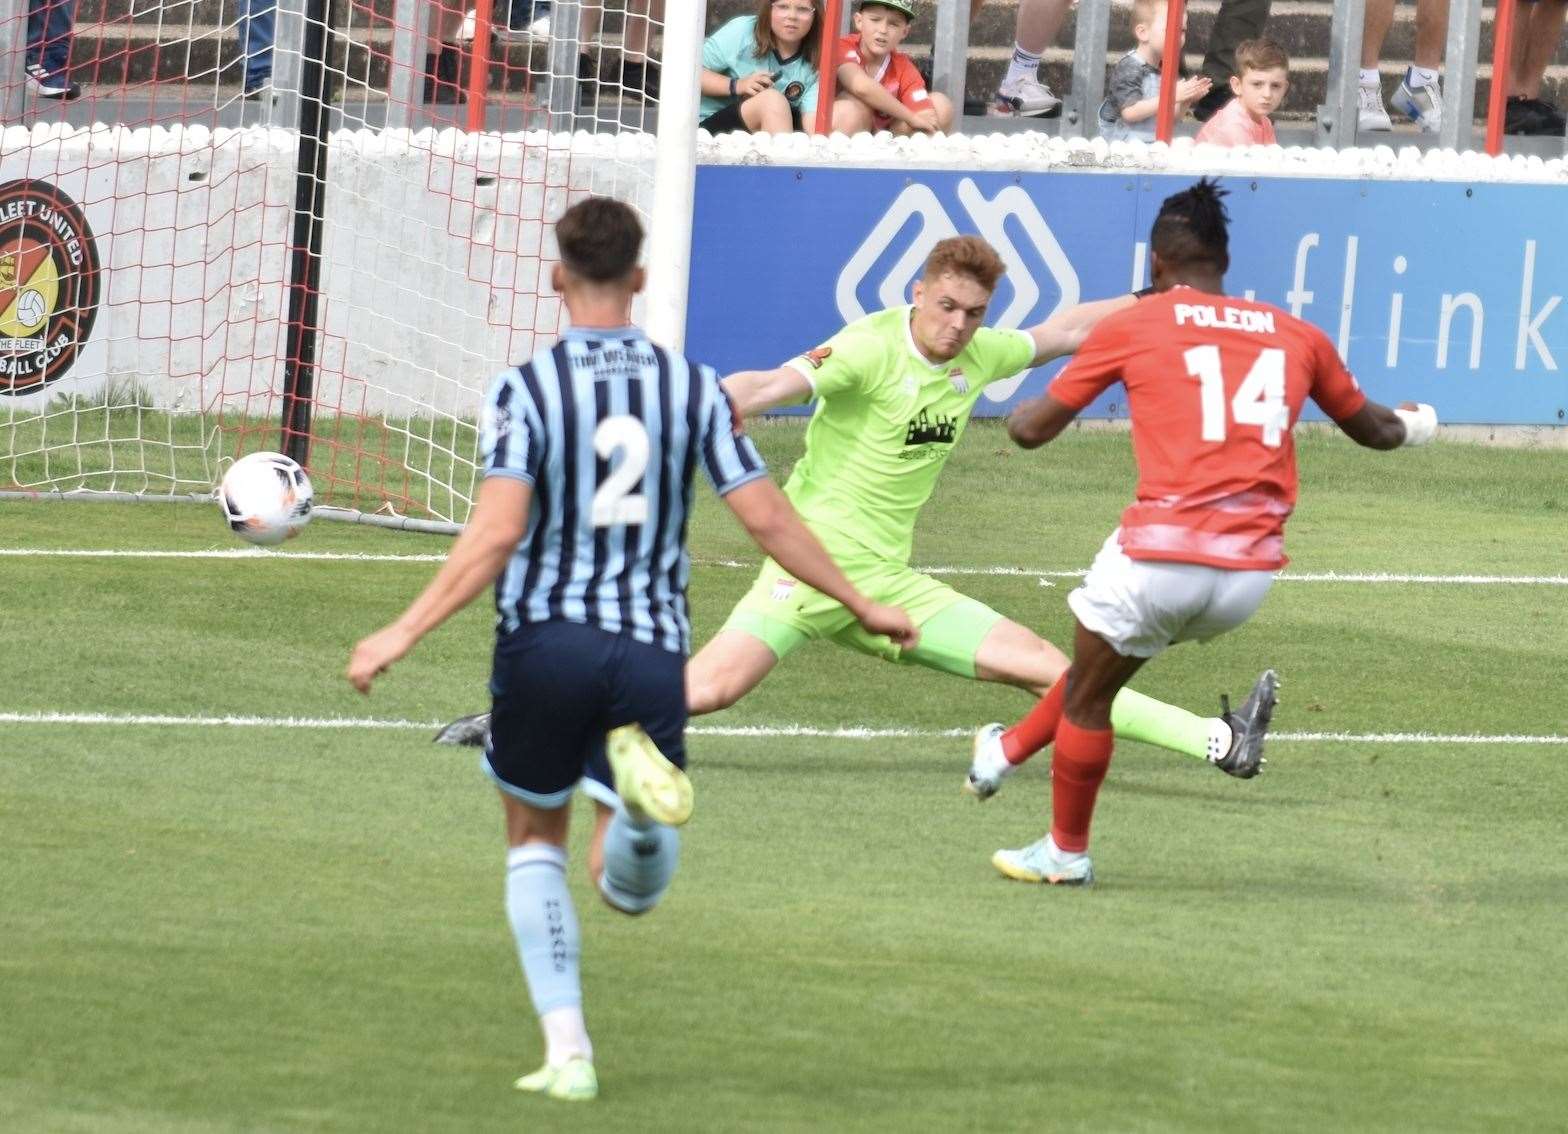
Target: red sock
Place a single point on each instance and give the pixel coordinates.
(1077, 769)
(1037, 729)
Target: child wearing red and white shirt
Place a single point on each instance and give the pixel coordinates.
(878, 85)
(1262, 77)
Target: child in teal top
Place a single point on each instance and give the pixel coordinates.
(759, 73)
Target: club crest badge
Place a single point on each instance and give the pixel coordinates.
(49, 284)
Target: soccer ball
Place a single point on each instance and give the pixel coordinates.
(265, 497)
(30, 309)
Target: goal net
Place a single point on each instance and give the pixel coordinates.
(317, 226)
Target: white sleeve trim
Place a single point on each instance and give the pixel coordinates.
(805, 370)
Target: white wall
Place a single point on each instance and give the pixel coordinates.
(432, 253)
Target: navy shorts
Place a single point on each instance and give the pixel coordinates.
(557, 688)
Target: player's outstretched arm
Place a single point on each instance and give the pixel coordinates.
(478, 557)
(1378, 427)
(1064, 332)
(771, 520)
(757, 391)
(1038, 420)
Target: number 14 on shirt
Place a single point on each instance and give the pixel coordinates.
(1260, 400)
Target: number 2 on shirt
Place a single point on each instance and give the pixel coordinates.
(1260, 400)
(614, 503)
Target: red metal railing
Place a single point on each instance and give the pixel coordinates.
(827, 70)
(479, 65)
(1170, 67)
(1502, 66)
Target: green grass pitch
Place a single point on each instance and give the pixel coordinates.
(262, 928)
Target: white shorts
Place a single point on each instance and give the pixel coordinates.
(1141, 606)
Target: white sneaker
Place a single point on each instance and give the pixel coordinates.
(1371, 115)
(538, 31)
(989, 765)
(1422, 105)
(1044, 862)
(46, 85)
(1026, 98)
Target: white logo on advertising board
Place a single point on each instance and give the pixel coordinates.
(987, 217)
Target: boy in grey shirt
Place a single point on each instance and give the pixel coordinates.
(1133, 97)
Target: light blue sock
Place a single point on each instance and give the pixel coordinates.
(638, 863)
(545, 924)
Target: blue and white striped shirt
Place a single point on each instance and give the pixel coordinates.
(608, 428)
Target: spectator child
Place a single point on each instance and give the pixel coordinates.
(879, 87)
(759, 73)
(1133, 101)
(1262, 78)
(1236, 22)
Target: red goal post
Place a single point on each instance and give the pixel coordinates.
(340, 248)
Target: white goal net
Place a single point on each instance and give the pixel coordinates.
(330, 256)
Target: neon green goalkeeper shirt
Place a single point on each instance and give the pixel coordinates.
(885, 422)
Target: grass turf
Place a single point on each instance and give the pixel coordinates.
(301, 929)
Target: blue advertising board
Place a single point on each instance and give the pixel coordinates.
(1434, 291)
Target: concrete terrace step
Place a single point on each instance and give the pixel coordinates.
(173, 13)
(126, 53)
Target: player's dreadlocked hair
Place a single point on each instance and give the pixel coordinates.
(1191, 227)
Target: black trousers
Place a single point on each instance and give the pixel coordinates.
(1237, 20)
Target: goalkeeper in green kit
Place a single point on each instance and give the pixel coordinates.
(894, 392)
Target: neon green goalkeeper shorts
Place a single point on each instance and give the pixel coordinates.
(784, 613)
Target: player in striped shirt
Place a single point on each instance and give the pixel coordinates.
(590, 449)
(1214, 384)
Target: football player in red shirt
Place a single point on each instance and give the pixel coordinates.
(1214, 384)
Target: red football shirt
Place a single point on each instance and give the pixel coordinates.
(897, 75)
(1214, 385)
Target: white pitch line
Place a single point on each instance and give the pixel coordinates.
(742, 731)
(213, 553)
(1374, 577)
(202, 721)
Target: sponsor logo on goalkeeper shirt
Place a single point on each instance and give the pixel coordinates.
(928, 430)
(49, 284)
